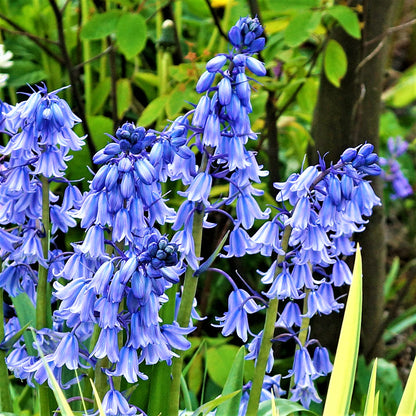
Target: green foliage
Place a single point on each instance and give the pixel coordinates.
(234, 383)
(335, 62)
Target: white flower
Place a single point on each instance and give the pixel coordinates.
(5, 62)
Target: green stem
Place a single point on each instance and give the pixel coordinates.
(43, 304)
(6, 404)
(160, 377)
(268, 332)
(184, 314)
(86, 51)
(303, 332)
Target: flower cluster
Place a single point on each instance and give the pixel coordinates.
(119, 273)
(41, 135)
(321, 208)
(221, 130)
(392, 172)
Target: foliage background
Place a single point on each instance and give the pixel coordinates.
(124, 63)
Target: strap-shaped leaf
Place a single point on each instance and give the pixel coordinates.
(407, 404)
(343, 374)
(370, 403)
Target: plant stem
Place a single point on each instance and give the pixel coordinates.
(303, 332)
(86, 51)
(43, 304)
(268, 332)
(160, 376)
(188, 294)
(6, 404)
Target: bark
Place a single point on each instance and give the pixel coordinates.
(345, 117)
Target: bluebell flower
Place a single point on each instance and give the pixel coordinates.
(128, 365)
(67, 352)
(283, 286)
(240, 244)
(322, 301)
(240, 304)
(341, 273)
(290, 316)
(305, 392)
(253, 351)
(114, 404)
(321, 361)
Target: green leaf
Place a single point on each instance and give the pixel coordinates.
(335, 62)
(347, 18)
(211, 405)
(285, 407)
(234, 382)
(370, 402)
(153, 111)
(408, 402)
(175, 102)
(308, 95)
(100, 25)
(131, 34)
(99, 125)
(207, 263)
(26, 314)
(342, 380)
(196, 374)
(100, 95)
(219, 362)
(124, 96)
(301, 26)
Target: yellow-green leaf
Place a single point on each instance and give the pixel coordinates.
(347, 18)
(335, 62)
(371, 393)
(345, 364)
(100, 25)
(131, 34)
(407, 404)
(153, 111)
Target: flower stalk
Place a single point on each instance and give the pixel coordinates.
(6, 404)
(43, 304)
(268, 332)
(185, 308)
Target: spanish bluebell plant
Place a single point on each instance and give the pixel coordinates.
(115, 283)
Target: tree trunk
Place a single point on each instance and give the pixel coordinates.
(345, 117)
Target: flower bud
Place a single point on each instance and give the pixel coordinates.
(224, 91)
(234, 35)
(255, 66)
(215, 64)
(365, 149)
(348, 155)
(205, 82)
